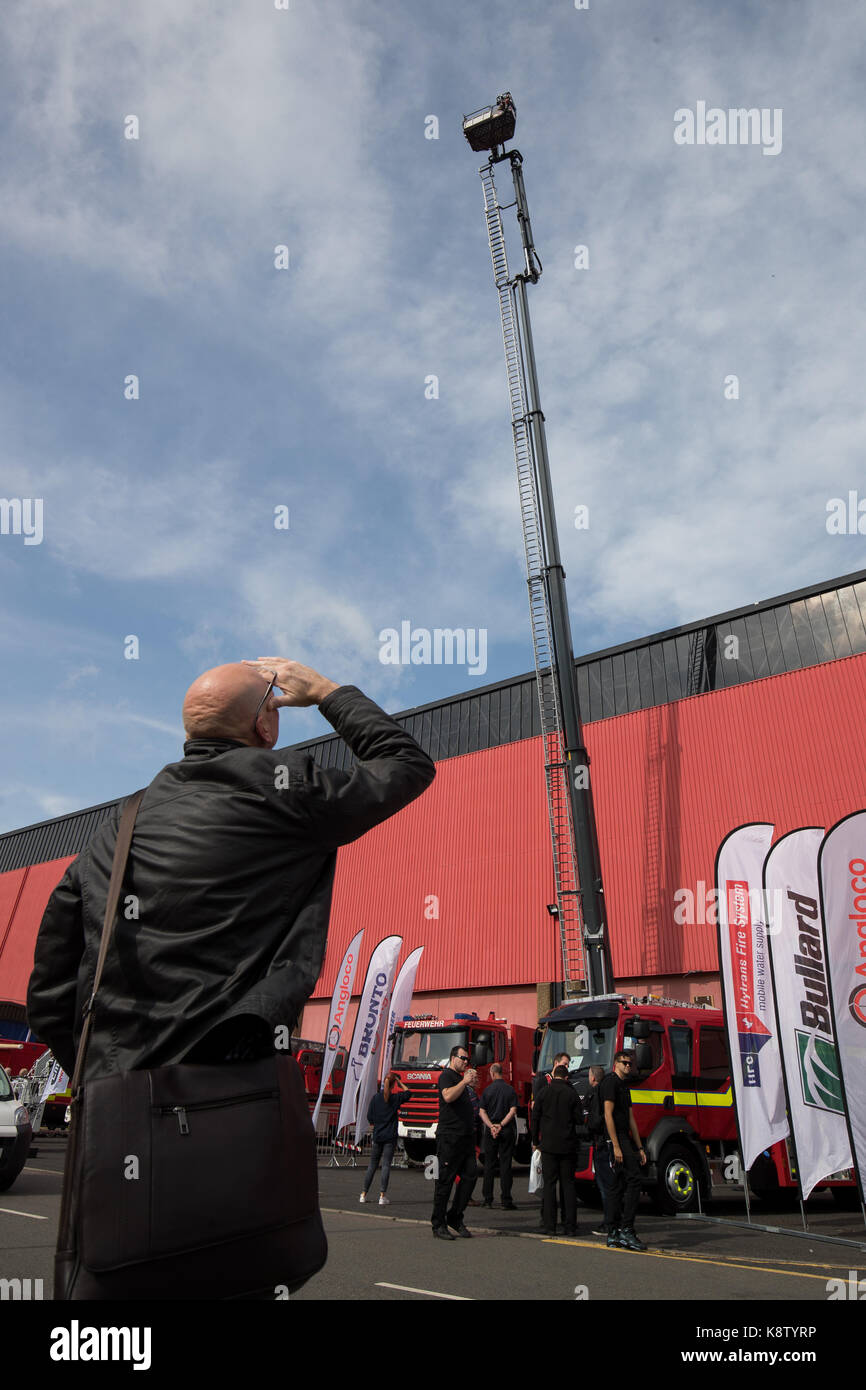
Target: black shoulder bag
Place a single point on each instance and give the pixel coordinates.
(186, 1181)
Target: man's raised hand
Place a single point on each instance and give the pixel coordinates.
(301, 685)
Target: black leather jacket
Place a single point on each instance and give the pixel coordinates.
(555, 1117)
(230, 874)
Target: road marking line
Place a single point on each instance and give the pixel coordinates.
(693, 1259)
(53, 1171)
(9, 1211)
(430, 1293)
(593, 1245)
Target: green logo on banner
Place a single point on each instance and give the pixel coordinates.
(820, 1076)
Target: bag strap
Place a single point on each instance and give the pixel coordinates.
(118, 869)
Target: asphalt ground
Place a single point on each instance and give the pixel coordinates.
(709, 1275)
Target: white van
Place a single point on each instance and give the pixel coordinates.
(16, 1134)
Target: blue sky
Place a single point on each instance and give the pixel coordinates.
(305, 387)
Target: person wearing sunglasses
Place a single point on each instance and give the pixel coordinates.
(455, 1146)
(627, 1155)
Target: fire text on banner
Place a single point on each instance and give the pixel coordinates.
(756, 1064)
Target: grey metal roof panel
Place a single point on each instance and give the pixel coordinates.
(822, 622)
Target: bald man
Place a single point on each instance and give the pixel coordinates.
(224, 910)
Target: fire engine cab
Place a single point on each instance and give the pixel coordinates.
(422, 1048)
(681, 1096)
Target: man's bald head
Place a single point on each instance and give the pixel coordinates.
(222, 703)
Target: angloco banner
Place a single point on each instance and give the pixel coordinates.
(337, 1017)
(377, 985)
(401, 1002)
(750, 1016)
(816, 1102)
(842, 875)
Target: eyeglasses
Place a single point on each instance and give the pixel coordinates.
(264, 701)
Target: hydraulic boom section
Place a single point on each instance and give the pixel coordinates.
(579, 893)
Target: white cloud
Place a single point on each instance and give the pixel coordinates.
(258, 127)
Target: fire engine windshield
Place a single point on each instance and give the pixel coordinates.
(589, 1042)
(425, 1047)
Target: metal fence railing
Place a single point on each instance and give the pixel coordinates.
(342, 1151)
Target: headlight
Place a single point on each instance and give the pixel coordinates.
(22, 1117)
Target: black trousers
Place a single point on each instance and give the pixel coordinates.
(605, 1177)
(456, 1159)
(497, 1158)
(558, 1168)
(625, 1192)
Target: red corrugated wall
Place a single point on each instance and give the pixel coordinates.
(466, 870)
(23, 895)
(669, 783)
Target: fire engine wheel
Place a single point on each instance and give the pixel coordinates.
(846, 1198)
(677, 1184)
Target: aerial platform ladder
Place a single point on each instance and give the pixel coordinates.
(586, 962)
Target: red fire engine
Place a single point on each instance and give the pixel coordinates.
(422, 1049)
(681, 1096)
(309, 1057)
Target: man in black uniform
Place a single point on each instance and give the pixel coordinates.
(455, 1146)
(498, 1116)
(627, 1153)
(554, 1129)
(541, 1082)
(605, 1176)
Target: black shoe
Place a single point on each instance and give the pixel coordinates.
(460, 1230)
(487, 1202)
(599, 1230)
(443, 1233)
(613, 1241)
(629, 1241)
(509, 1206)
(570, 1232)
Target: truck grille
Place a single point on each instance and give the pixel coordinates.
(423, 1108)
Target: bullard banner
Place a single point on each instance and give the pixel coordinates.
(816, 1101)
